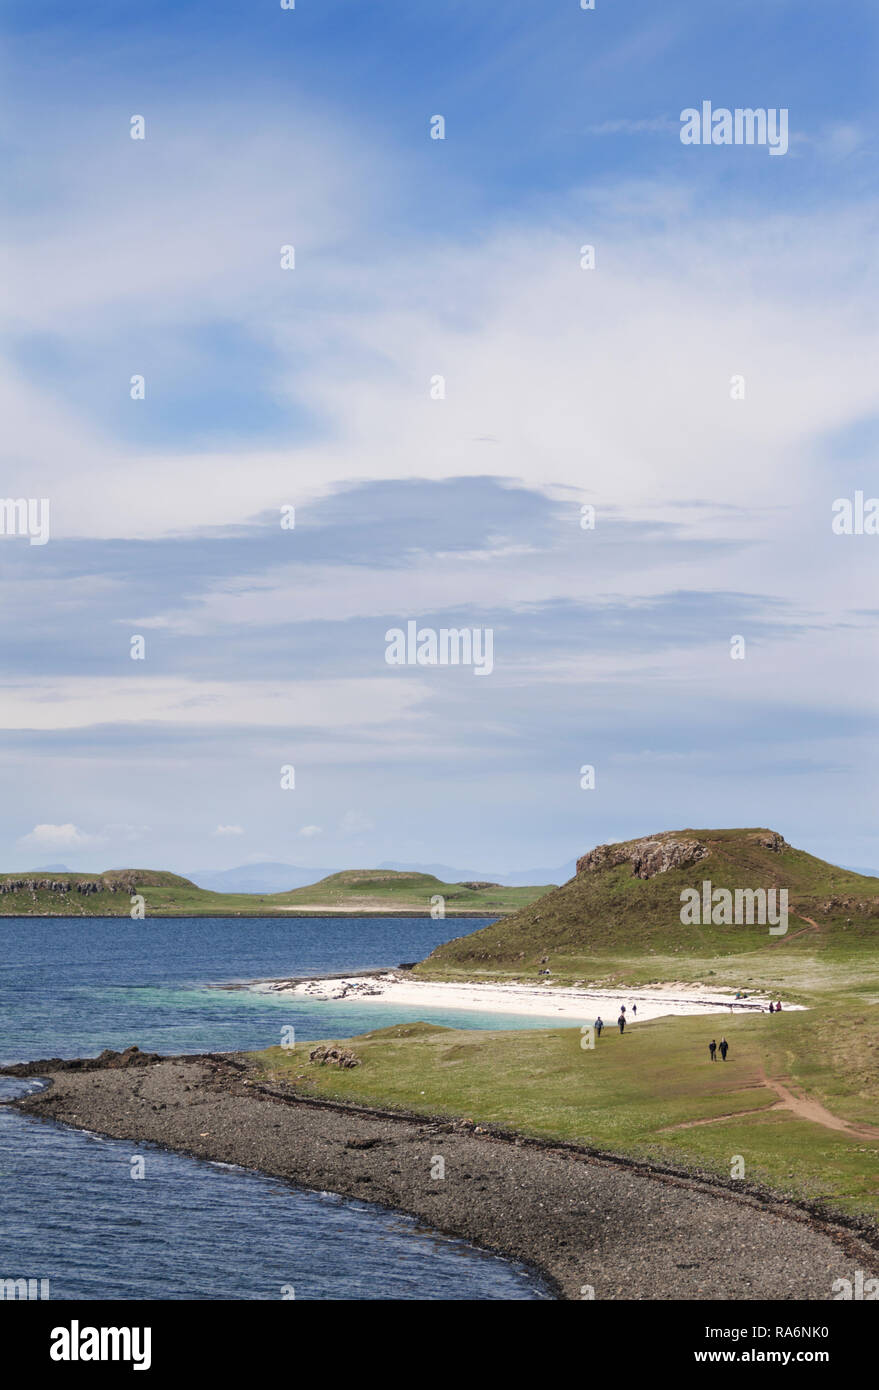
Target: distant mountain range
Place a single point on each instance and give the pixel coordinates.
(265, 877)
(246, 878)
(281, 878)
(522, 878)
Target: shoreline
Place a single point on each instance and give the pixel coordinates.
(580, 1218)
(280, 912)
(571, 1003)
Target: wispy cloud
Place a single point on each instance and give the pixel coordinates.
(83, 702)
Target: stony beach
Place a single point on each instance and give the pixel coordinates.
(591, 1225)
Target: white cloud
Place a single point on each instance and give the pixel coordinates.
(228, 830)
(67, 836)
(355, 823)
(613, 381)
(308, 832)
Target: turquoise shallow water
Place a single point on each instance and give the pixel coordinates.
(70, 1210)
(69, 988)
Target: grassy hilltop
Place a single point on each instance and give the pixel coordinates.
(168, 895)
(625, 902)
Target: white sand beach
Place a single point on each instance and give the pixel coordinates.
(538, 1000)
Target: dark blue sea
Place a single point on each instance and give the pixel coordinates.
(70, 1210)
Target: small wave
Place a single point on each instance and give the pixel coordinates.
(17, 1087)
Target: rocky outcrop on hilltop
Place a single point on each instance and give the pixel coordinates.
(84, 887)
(52, 885)
(647, 857)
(126, 881)
(770, 839)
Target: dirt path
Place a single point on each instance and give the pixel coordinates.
(813, 926)
(807, 1109)
(804, 1107)
(719, 1119)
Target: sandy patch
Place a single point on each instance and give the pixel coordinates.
(539, 1000)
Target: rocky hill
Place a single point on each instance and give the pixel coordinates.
(111, 891)
(627, 898)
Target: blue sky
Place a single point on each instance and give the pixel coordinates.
(417, 257)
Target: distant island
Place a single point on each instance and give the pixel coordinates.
(354, 892)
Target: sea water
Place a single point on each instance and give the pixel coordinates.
(70, 1211)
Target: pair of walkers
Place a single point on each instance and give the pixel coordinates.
(712, 1049)
(621, 1021)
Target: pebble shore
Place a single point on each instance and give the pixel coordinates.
(585, 1222)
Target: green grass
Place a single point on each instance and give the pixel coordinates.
(628, 1094)
(168, 895)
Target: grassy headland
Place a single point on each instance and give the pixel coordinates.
(798, 1097)
(366, 891)
(624, 905)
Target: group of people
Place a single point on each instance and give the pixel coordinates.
(621, 1021)
(713, 1046)
(773, 1008)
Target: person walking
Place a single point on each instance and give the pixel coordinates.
(598, 1025)
(771, 1007)
(724, 1048)
(778, 1006)
(712, 1048)
(622, 1020)
(634, 1009)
